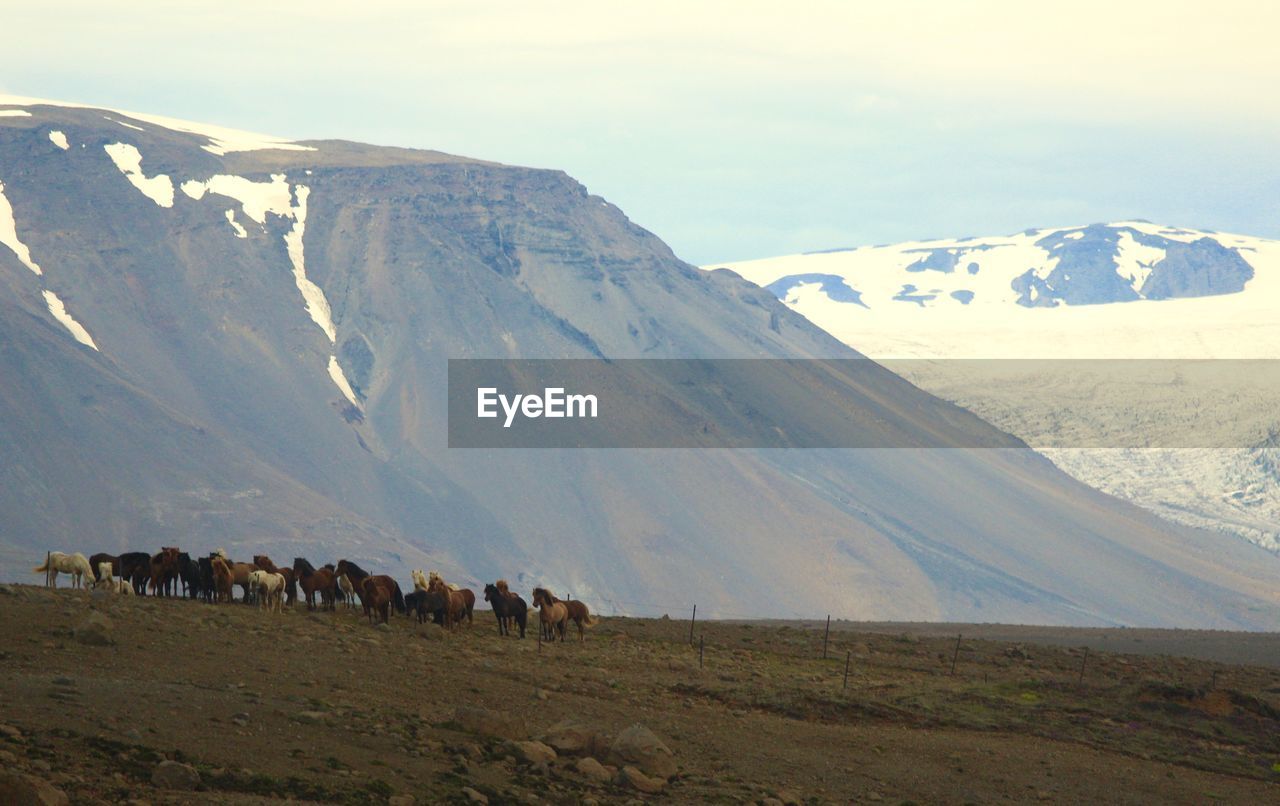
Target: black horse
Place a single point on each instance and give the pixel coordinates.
(507, 607)
(189, 573)
(135, 566)
(206, 578)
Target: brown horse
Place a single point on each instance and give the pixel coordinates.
(240, 573)
(579, 614)
(312, 581)
(96, 561)
(357, 574)
(376, 595)
(223, 579)
(507, 607)
(164, 571)
(552, 614)
(458, 603)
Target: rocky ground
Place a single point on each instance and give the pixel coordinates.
(108, 699)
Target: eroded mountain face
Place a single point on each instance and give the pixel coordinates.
(217, 339)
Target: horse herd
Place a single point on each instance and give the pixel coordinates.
(214, 578)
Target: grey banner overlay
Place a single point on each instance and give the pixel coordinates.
(851, 403)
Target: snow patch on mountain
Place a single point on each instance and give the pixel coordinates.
(235, 225)
(222, 140)
(59, 312)
(340, 380)
(9, 234)
(59, 139)
(126, 125)
(316, 303)
(128, 159)
(14, 113)
(256, 198)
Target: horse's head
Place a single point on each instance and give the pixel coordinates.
(541, 596)
(490, 592)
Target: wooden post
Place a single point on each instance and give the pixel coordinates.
(1082, 664)
(701, 647)
(48, 567)
(847, 656)
(825, 635)
(691, 621)
(1213, 682)
(956, 655)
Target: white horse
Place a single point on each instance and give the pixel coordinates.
(419, 580)
(349, 590)
(270, 588)
(77, 565)
(105, 580)
(435, 576)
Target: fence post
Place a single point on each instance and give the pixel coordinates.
(847, 656)
(956, 655)
(691, 621)
(826, 634)
(1082, 664)
(48, 567)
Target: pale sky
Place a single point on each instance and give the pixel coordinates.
(735, 129)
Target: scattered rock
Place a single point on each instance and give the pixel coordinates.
(473, 795)
(23, 789)
(401, 800)
(310, 717)
(240, 719)
(11, 732)
(431, 631)
(572, 738)
(592, 769)
(639, 746)
(484, 722)
(630, 776)
(789, 798)
(533, 752)
(95, 630)
(173, 775)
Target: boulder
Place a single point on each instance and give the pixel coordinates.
(23, 789)
(483, 722)
(533, 752)
(575, 739)
(173, 775)
(638, 746)
(95, 630)
(592, 769)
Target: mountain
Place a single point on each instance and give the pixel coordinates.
(1132, 290)
(215, 338)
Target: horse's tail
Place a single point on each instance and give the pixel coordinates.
(399, 598)
(590, 620)
(42, 569)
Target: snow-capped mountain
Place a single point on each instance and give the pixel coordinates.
(214, 338)
(1130, 289)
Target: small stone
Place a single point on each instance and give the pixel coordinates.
(401, 800)
(173, 775)
(473, 795)
(95, 630)
(789, 798)
(484, 722)
(634, 778)
(310, 717)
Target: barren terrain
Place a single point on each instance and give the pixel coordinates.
(99, 691)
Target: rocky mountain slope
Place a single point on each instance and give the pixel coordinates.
(216, 338)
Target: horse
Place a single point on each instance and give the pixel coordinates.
(106, 580)
(190, 575)
(419, 580)
(507, 607)
(552, 614)
(164, 570)
(77, 565)
(357, 575)
(206, 578)
(135, 566)
(376, 594)
(290, 585)
(311, 581)
(579, 614)
(113, 562)
(240, 574)
(346, 591)
(223, 578)
(270, 588)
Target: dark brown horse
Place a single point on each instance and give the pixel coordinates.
(164, 571)
(357, 574)
(507, 607)
(100, 558)
(135, 566)
(376, 594)
(312, 581)
(552, 614)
